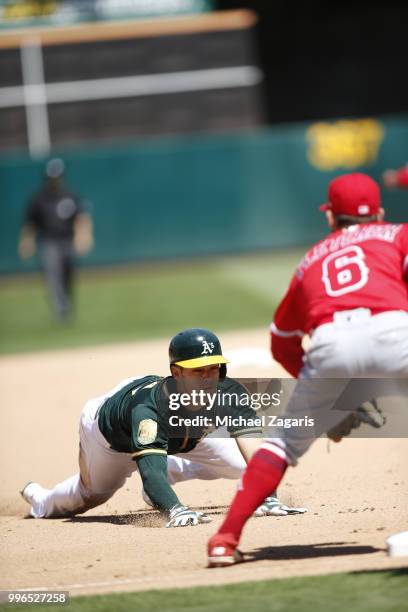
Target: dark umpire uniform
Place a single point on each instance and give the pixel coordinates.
(56, 216)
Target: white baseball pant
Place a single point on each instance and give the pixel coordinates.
(355, 345)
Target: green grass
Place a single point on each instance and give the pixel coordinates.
(147, 301)
(380, 591)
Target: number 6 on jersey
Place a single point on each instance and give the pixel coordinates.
(344, 271)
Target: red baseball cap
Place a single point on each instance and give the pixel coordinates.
(355, 195)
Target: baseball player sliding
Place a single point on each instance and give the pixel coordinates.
(132, 427)
(350, 295)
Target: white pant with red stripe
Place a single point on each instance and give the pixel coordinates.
(355, 345)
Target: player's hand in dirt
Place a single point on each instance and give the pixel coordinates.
(183, 516)
(273, 507)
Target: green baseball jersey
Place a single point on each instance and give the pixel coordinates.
(138, 419)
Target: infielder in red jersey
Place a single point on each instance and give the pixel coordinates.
(350, 295)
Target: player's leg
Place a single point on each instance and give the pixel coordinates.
(54, 273)
(102, 472)
(218, 456)
(263, 475)
(358, 344)
(213, 457)
(310, 398)
(337, 349)
(67, 256)
(389, 343)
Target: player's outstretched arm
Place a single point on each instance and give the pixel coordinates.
(153, 471)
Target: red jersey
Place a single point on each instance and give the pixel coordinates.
(362, 266)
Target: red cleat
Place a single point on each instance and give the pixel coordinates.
(222, 550)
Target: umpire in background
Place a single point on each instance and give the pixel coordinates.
(56, 218)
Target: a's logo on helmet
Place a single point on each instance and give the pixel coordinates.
(208, 347)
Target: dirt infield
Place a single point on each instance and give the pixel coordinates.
(356, 492)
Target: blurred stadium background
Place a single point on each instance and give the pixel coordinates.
(204, 134)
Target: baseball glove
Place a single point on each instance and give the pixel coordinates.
(369, 413)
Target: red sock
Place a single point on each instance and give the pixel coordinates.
(262, 476)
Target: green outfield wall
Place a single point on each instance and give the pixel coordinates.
(195, 196)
